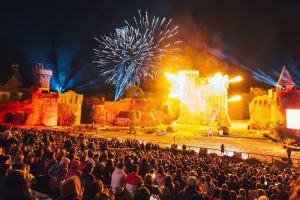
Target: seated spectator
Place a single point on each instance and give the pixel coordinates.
(92, 189)
(71, 189)
(74, 169)
(142, 193)
(57, 175)
(15, 186)
(190, 192)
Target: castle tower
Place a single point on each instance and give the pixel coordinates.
(203, 99)
(42, 77)
(15, 80)
(189, 100)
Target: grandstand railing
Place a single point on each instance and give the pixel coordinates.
(244, 155)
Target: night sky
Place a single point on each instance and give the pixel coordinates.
(252, 38)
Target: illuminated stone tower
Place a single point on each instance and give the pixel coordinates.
(42, 77)
(189, 107)
(203, 100)
(44, 103)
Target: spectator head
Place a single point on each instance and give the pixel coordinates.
(169, 182)
(120, 165)
(242, 192)
(51, 155)
(142, 193)
(7, 134)
(259, 186)
(148, 180)
(261, 192)
(75, 164)
(225, 195)
(263, 198)
(88, 168)
(280, 187)
(160, 170)
(92, 189)
(224, 186)
(65, 162)
(274, 190)
(191, 182)
(15, 186)
(233, 195)
(57, 171)
(71, 187)
(217, 193)
(135, 168)
(207, 178)
(109, 163)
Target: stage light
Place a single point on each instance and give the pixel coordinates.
(235, 98)
(292, 118)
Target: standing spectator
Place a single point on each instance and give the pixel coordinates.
(289, 153)
(232, 184)
(153, 189)
(160, 176)
(209, 186)
(107, 172)
(118, 180)
(168, 190)
(133, 180)
(87, 176)
(222, 149)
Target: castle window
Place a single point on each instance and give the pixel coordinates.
(4, 97)
(70, 101)
(14, 96)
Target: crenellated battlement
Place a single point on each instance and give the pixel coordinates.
(40, 69)
(42, 77)
(189, 73)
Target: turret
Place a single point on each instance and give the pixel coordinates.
(42, 77)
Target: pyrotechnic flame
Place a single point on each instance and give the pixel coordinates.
(177, 85)
(236, 79)
(235, 98)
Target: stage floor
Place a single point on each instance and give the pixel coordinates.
(195, 136)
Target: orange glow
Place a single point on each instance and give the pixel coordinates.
(194, 92)
(292, 118)
(235, 98)
(236, 79)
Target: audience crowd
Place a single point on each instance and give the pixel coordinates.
(43, 164)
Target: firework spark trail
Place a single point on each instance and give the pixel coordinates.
(135, 53)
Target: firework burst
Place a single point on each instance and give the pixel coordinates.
(136, 52)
